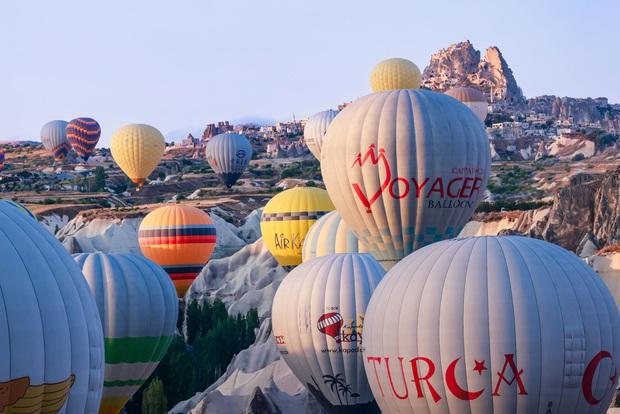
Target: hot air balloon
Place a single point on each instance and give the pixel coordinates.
(54, 139)
(179, 238)
(286, 219)
(137, 149)
(229, 155)
(318, 323)
(19, 208)
(138, 307)
(471, 98)
(405, 168)
(50, 333)
(1, 158)
(499, 325)
(83, 135)
(395, 73)
(329, 235)
(607, 266)
(315, 130)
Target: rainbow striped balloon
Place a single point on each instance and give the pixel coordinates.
(180, 239)
(83, 135)
(1, 158)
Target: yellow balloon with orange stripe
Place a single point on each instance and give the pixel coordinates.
(286, 219)
(180, 239)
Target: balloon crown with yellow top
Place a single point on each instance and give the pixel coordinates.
(395, 73)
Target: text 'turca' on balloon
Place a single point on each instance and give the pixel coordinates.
(50, 332)
(137, 149)
(286, 219)
(138, 306)
(500, 325)
(318, 319)
(405, 168)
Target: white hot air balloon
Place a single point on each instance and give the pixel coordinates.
(329, 235)
(315, 130)
(229, 155)
(318, 322)
(471, 98)
(405, 168)
(138, 307)
(51, 342)
(500, 325)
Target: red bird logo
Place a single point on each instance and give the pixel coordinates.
(374, 159)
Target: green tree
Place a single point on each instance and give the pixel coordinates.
(99, 179)
(192, 321)
(153, 399)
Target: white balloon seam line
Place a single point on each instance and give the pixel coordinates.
(517, 251)
(55, 275)
(594, 303)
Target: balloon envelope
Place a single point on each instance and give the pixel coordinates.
(137, 149)
(1, 159)
(179, 238)
(329, 235)
(138, 307)
(19, 208)
(318, 322)
(54, 139)
(471, 98)
(395, 73)
(315, 130)
(50, 333)
(229, 155)
(83, 135)
(405, 168)
(286, 219)
(607, 266)
(499, 325)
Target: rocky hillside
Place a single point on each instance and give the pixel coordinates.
(584, 214)
(247, 279)
(110, 231)
(461, 65)
(257, 381)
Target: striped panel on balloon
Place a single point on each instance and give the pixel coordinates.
(61, 151)
(129, 363)
(181, 234)
(83, 134)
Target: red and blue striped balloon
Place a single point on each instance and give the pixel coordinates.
(83, 134)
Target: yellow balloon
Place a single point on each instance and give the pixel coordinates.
(395, 73)
(286, 219)
(137, 149)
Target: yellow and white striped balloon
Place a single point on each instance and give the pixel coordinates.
(329, 235)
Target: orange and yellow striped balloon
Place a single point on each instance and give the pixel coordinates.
(180, 239)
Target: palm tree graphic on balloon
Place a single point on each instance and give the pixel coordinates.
(338, 385)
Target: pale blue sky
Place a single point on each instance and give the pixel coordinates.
(181, 63)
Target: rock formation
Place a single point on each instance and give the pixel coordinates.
(256, 381)
(461, 65)
(584, 214)
(579, 109)
(247, 279)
